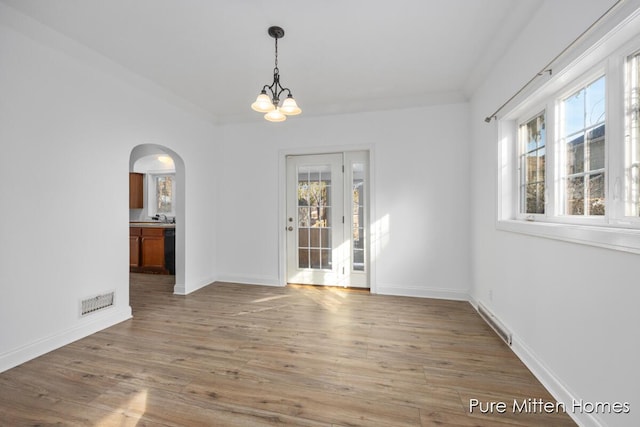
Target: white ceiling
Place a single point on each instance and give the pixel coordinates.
(337, 55)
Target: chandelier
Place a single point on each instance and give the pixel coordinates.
(269, 102)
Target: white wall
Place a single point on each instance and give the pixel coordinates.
(572, 308)
(420, 174)
(67, 128)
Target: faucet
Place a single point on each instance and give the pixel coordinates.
(164, 218)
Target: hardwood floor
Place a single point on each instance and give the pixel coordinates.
(241, 355)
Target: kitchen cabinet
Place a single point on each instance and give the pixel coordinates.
(136, 199)
(150, 252)
(152, 249)
(135, 234)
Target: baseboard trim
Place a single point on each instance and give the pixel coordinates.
(181, 288)
(42, 346)
(250, 280)
(437, 293)
(551, 382)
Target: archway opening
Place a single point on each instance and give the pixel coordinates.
(163, 172)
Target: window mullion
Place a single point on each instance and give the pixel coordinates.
(615, 145)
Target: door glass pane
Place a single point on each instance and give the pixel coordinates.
(303, 237)
(314, 219)
(315, 238)
(325, 260)
(304, 219)
(314, 255)
(303, 258)
(358, 226)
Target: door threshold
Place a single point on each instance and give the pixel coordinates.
(343, 288)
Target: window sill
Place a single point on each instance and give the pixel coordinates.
(619, 239)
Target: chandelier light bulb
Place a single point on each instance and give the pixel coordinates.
(275, 116)
(290, 107)
(263, 103)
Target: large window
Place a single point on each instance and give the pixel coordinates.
(582, 140)
(570, 153)
(578, 179)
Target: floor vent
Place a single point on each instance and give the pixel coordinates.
(96, 303)
(495, 324)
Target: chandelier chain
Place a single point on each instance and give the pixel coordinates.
(276, 53)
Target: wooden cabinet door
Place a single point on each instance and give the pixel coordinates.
(134, 246)
(147, 253)
(153, 252)
(152, 248)
(134, 251)
(136, 190)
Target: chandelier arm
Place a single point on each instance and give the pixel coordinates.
(276, 88)
(271, 87)
(282, 89)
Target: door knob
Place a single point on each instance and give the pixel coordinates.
(290, 228)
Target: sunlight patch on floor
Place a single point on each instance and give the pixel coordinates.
(323, 295)
(129, 415)
(270, 298)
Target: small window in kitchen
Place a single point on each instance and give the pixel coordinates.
(162, 194)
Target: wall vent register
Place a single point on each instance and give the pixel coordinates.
(99, 302)
(495, 324)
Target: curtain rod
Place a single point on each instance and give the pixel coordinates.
(547, 68)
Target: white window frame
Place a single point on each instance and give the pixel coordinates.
(151, 192)
(602, 69)
(631, 188)
(613, 230)
(533, 113)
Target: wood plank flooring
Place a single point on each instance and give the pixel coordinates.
(242, 355)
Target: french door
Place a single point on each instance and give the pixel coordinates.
(326, 219)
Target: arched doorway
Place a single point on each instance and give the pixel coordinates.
(147, 154)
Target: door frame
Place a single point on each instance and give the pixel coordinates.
(282, 206)
(141, 150)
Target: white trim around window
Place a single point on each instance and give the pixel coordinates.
(152, 192)
(612, 227)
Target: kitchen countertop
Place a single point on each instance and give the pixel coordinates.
(154, 224)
